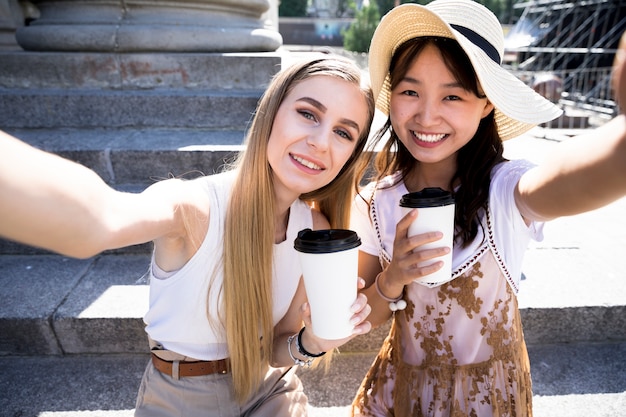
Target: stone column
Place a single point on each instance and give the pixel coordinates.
(11, 17)
(151, 26)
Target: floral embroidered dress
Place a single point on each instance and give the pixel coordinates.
(457, 349)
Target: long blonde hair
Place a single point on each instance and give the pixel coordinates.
(249, 228)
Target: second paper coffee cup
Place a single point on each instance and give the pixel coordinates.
(435, 213)
(329, 260)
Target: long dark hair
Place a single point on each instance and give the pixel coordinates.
(474, 161)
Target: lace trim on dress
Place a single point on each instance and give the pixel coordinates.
(383, 256)
(471, 261)
(498, 256)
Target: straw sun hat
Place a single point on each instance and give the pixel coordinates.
(518, 108)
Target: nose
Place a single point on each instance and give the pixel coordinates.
(427, 113)
(320, 140)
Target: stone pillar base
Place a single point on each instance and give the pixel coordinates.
(150, 26)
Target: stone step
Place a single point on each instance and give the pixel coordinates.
(44, 90)
(46, 109)
(569, 380)
(93, 71)
(135, 158)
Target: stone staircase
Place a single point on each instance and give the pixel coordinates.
(71, 331)
(134, 117)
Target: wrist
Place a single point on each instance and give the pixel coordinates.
(395, 304)
(315, 353)
(386, 291)
(300, 355)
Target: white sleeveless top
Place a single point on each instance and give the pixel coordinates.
(177, 316)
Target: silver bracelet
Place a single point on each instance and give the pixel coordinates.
(297, 361)
(395, 304)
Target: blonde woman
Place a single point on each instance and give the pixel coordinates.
(227, 303)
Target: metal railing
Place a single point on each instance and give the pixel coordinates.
(564, 50)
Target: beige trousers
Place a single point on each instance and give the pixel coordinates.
(160, 395)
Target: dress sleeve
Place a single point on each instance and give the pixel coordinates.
(511, 234)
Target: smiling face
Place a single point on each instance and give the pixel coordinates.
(315, 131)
(432, 113)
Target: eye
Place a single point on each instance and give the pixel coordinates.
(307, 115)
(344, 134)
(452, 97)
(410, 93)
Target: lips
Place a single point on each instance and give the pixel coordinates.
(307, 163)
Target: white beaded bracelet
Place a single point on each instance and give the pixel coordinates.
(395, 304)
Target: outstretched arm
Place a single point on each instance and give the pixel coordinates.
(583, 173)
(53, 203)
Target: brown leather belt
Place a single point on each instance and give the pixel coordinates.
(185, 369)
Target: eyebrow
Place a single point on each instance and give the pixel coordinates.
(323, 109)
(454, 84)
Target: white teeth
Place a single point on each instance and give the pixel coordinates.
(306, 163)
(429, 138)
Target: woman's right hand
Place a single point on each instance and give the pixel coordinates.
(406, 264)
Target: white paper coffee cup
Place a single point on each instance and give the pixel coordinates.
(329, 260)
(435, 213)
